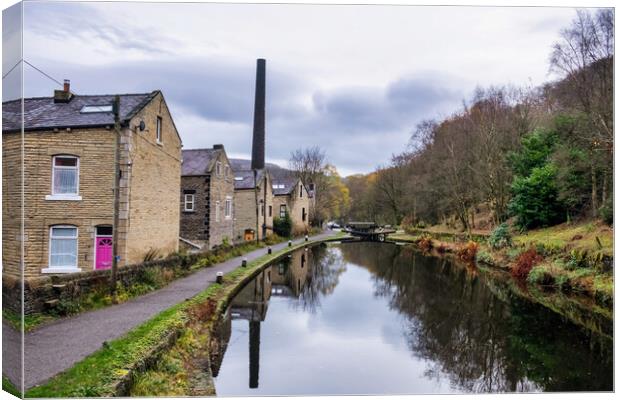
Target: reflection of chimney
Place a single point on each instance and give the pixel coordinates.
(64, 95)
(258, 137)
(254, 353)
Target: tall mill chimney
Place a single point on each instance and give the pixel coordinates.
(258, 137)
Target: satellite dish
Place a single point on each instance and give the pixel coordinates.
(142, 125)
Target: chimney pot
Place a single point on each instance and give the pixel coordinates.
(218, 147)
(67, 85)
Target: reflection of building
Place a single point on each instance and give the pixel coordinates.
(290, 275)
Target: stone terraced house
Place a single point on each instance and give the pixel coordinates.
(68, 179)
(245, 204)
(286, 193)
(207, 193)
(291, 196)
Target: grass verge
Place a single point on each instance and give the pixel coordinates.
(8, 386)
(111, 370)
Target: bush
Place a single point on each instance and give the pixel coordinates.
(525, 262)
(425, 243)
(500, 237)
(484, 257)
(468, 252)
(283, 226)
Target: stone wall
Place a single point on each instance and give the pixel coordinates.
(193, 227)
(95, 149)
(222, 188)
(71, 287)
(153, 184)
(11, 203)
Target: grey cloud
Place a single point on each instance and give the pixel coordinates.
(358, 127)
(11, 52)
(57, 21)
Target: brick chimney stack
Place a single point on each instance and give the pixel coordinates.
(64, 95)
(258, 137)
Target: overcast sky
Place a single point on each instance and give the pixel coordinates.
(352, 79)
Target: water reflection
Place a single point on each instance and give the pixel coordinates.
(382, 319)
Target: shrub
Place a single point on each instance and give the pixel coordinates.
(152, 254)
(468, 252)
(484, 257)
(425, 243)
(525, 262)
(283, 226)
(500, 237)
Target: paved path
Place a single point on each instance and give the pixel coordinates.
(57, 346)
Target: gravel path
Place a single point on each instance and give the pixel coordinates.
(55, 347)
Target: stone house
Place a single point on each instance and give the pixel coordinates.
(291, 196)
(207, 193)
(244, 223)
(68, 168)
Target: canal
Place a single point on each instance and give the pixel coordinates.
(378, 318)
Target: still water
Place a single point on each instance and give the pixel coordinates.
(377, 318)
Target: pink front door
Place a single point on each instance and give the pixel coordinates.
(103, 252)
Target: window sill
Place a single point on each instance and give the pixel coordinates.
(60, 270)
(159, 143)
(189, 211)
(63, 197)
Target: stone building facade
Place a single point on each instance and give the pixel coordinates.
(245, 205)
(68, 177)
(207, 197)
(291, 196)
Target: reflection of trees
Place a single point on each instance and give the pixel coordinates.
(325, 265)
(479, 342)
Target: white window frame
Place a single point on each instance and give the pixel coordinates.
(158, 130)
(228, 208)
(218, 168)
(65, 196)
(282, 207)
(189, 198)
(62, 269)
(217, 211)
(226, 171)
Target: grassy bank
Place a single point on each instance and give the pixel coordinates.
(120, 364)
(8, 386)
(574, 259)
(151, 280)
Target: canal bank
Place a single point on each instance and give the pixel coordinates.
(573, 294)
(430, 326)
(110, 370)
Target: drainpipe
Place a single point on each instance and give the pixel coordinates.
(117, 177)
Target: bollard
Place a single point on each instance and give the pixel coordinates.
(244, 262)
(219, 278)
(290, 243)
(306, 238)
(268, 250)
(306, 248)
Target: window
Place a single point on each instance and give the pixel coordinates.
(65, 175)
(226, 171)
(303, 214)
(262, 209)
(188, 202)
(270, 211)
(63, 247)
(218, 168)
(217, 211)
(103, 108)
(301, 190)
(311, 187)
(228, 208)
(282, 210)
(158, 130)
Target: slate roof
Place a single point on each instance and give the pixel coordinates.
(283, 177)
(247, 178)
(41, 113)
(198, 162)
(279, 176)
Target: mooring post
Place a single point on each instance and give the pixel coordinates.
(219, 277)
(269, 250)
(244, 262)
(306, 238)
(290, 243)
